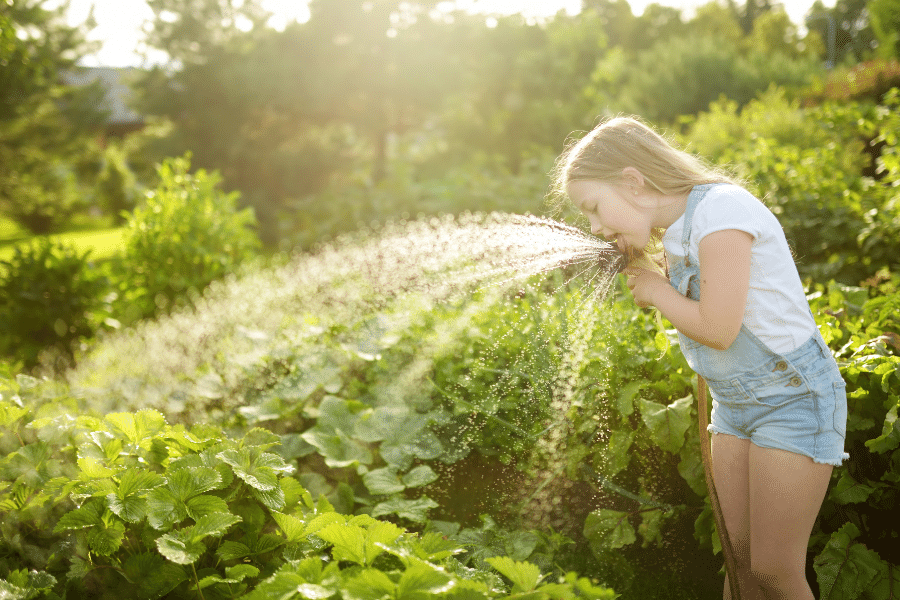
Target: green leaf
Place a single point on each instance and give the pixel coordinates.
(359, 544)
(205, 504)
(179, 548)
(338, 449)
(9, 414)
(650, 527)
(524, 575)
(80, 518)
(667, 424)
(383, 482)
(616, 456)
(93, 469)
(272, 499)
(136, 427)
(519, 545)
(625, 401)
(435, 547)
(190, 481)
(890, 432)
(423, 579)
(348, 540)
(254, 467)
(414, 510)
(369, 584)
(421, 475)
(233, 550)
(848, 490)
(292, 527)
(164, 510)
(845, 569)
(886, 584)
(215, 524)
(241, 572)
(609, 529)
(129, 501)
(106, 537)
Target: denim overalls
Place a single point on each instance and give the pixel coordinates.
(794, 401)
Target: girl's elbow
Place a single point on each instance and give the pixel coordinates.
(725, 338)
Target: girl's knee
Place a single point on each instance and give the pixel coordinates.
(776, 575)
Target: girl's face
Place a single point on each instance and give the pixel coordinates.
(611, 214)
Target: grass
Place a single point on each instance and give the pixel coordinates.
(103, 242)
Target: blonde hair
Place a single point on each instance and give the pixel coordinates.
(621, 142)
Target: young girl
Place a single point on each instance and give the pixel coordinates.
(733, 293)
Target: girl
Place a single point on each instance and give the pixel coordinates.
(733, 293)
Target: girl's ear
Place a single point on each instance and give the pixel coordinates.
(632, 177)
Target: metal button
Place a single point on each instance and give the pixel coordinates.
(794, 382)
(780, 366)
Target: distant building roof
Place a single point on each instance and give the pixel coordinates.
(118, 92)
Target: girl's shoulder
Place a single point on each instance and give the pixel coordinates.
(729, 206)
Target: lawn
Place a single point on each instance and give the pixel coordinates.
(103, 243)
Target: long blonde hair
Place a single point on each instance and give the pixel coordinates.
(621, 142)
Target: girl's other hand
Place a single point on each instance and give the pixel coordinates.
(644, 284)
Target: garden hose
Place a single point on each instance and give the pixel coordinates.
(727, 550)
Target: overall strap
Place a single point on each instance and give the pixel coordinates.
(693, 200)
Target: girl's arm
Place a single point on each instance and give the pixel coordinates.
(724, 282)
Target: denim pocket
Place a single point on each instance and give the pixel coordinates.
(774, 391)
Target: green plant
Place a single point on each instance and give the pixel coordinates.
(185, 234)
(147, 510)
(50, 298)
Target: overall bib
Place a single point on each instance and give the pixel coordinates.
(794, 401)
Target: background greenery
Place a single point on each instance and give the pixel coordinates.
(199, 399)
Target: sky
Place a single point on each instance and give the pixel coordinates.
(119, 21)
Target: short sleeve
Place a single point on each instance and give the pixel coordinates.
(728, 208)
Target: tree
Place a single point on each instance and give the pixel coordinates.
(854, 36)
(885, 17)
(43, 123)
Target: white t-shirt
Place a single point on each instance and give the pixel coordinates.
(777, 310)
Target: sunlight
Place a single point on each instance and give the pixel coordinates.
(285, 12)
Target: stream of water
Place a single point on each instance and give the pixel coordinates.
(195, 364)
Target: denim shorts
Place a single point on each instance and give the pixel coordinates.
(795, 402)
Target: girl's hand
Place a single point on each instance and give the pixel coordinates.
(644, 284)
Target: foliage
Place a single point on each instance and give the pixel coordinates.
(870, 80)
(682, 76)
(185, 234)
(885, 18)
(116, 183)
(842, 226)
(149, 510)
(44, 124)
(50, 298)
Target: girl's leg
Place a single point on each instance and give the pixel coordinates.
(786, 492)
(731, 469)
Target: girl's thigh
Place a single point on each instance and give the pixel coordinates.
(786, 492)
(731, 462)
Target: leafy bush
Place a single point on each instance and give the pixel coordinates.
(866, 81)
(146, 510)
(50, 297)
(682, 76)
(185, 234)
(844, 225)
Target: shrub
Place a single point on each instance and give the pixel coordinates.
(48, 295)
(144, 509)
(186, 234)
(682, 76)
(870, 80)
